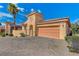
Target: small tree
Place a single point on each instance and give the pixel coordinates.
(75, 28)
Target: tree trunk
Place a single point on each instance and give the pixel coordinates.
(14, 22)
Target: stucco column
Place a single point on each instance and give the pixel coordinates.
(22, 27)
(5, 29)
(33, 30)
(28, 28)
(9, 30)
(62, 30)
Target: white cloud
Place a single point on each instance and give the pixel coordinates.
(1, 6)
(5, 14)
(39, 10)
(32, 10)
(0, 15)
(15, 3)
(21, 9)
(77, 21)
(3, 24)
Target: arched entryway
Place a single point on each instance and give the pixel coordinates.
(31, 30)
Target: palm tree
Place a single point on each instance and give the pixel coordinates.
(12, 8)
(0, 24)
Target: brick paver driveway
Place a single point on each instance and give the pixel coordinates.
(33, 46)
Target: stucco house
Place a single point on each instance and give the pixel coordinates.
(37, 26)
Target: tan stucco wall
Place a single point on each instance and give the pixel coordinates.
(31, 22)
(33, 19)
(62, 30)
(7, 28)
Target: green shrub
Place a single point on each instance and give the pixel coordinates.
(0, 33)
(73, 43)
(22, 34)
(68, 39)
(71, 38)
(3, 34)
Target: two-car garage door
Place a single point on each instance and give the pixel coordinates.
(50, 32)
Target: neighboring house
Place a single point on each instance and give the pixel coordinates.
(37, 26)
(2, 28)
(10, 26)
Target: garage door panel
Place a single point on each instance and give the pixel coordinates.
(50, 32)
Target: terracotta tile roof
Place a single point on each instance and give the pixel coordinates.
(55, 20)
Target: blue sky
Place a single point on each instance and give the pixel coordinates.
(49, 11)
